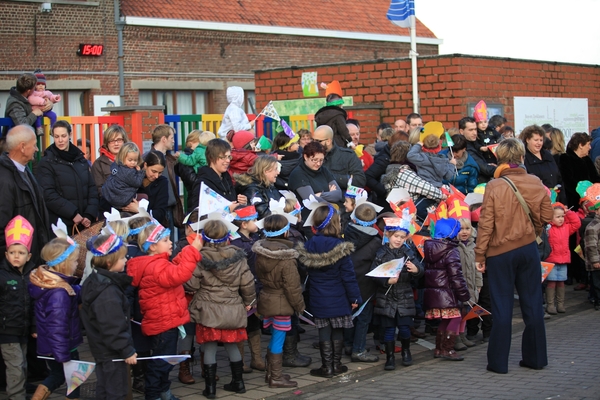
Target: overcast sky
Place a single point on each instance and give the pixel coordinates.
(555, 30)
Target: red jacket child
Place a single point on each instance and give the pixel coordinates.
(160, 283)
(558, 237)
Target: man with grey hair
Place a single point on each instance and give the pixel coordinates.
(21, 194)
(342, 162)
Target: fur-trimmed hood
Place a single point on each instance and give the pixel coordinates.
(244, 179)
(316, 259)
(219, 258)
(278, 249)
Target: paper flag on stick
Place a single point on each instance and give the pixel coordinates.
(361, 308)
(77, 372)
(308, 321)
(210, 201)
(492, 148)
(269, 111)
(546, 268)
(390, 269)
(476, 312)
(579, 252)
(263, 144)
(419, 241)
(173, 360)
(287, 129)
(449, 140)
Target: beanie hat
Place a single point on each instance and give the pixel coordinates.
(241, 138)
(41, 78)
(334, 88)
(446, 228)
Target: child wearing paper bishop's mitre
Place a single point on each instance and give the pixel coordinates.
(105, 315)
(394, 302)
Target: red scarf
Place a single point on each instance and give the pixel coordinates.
(108, 154)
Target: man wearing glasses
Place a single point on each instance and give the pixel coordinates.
(342, 162)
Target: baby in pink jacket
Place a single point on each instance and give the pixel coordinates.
(38, 98)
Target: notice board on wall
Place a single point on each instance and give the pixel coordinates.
(567, 114)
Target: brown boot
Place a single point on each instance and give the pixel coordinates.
(41, 393)
(185, 376)
(560, 299)
(254, 344)
(550, 298)
(246, 368)
(277, 379)
(448, 352)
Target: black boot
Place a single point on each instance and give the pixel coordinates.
(291, 355)
(338, 351)
(326, 369)
(406, 356)
(390, 360)
(237, 382)
(210, 381)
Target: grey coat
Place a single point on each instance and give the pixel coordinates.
(122, 185)
(433, 168)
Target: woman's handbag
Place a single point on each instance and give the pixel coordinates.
(81, 237)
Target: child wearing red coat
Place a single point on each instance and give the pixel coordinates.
(162, 300)
(564, 224)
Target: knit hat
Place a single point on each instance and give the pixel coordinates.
(19, 231)
(446, 228)
(241, 139)
(334, 88)
(41, 78)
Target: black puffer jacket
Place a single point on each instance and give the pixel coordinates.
(105, 315)
(486, 170)
(69, 188)
(335, 117)
(376, 171)
(16, 313)
(17, 199)
(257, 193)
(366, 243)
(289, 161)
(220, 184)
(399, 300)
(187, 174)
(445, 285)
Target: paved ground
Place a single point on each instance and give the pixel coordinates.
(573, 371)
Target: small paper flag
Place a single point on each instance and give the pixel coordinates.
(76, 373)
(579, 252)
(476, 312)
(263, 144)
(269, 111)
(173, 360)
(361, 308)
(419, 241)
(287, 129)
(546, 268)
(449, 140)
(390, 269)
(210, 201)
(492, 148)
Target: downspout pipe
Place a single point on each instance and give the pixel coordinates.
(119, 24)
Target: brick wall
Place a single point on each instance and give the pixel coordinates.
(49, 41)
(446, 85)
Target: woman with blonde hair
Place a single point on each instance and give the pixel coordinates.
(114, 137)
(258, 184)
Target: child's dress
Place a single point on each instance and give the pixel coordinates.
(122, 185)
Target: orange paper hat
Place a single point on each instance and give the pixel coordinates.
(334, 88)
(480, 113)
(457, 208)
(19, 231)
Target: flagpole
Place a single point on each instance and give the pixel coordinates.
(413, 56)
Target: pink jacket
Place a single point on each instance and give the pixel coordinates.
(558, 236)
(38, 98)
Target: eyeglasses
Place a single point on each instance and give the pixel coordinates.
(225, 158)
(316, 160)
(320, 141)
(120, 140)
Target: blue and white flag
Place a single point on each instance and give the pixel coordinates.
(402, 13)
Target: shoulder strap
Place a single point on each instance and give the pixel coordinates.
(522, 201)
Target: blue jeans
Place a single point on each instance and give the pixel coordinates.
(157, 374)
(57, 376)
(357, 336)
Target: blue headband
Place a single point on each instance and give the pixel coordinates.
(118, 243)
(248, 218)
(137, 231)
(214, 241)
(296, 211)
(163, 234)
(328, 219)
(63, 256)
(396, 228)
(279, 232)
(365, 223)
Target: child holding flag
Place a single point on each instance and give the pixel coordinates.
(395, 303)
(162, 300)
(15, 304)
(105, 315)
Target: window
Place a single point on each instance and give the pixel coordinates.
(181, 102)
(250, 101)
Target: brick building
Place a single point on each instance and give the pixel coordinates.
(448, 85)
(184, 53)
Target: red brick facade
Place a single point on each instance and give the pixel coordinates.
(446, 85)
(49, 41)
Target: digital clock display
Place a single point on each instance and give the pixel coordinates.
(90, 50)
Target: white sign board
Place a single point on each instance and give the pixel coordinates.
(568, 115)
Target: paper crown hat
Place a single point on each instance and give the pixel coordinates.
(115, 215)
(245, 213)
(278, 207)
(334, 88)
(458, 208)
(354, 192)
(399, 224)
(219, 216)
(19, 231)
(432, 128)
(446, 228)
(480, 113)
(590, 194)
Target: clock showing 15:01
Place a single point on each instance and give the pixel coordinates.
(90, 50)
